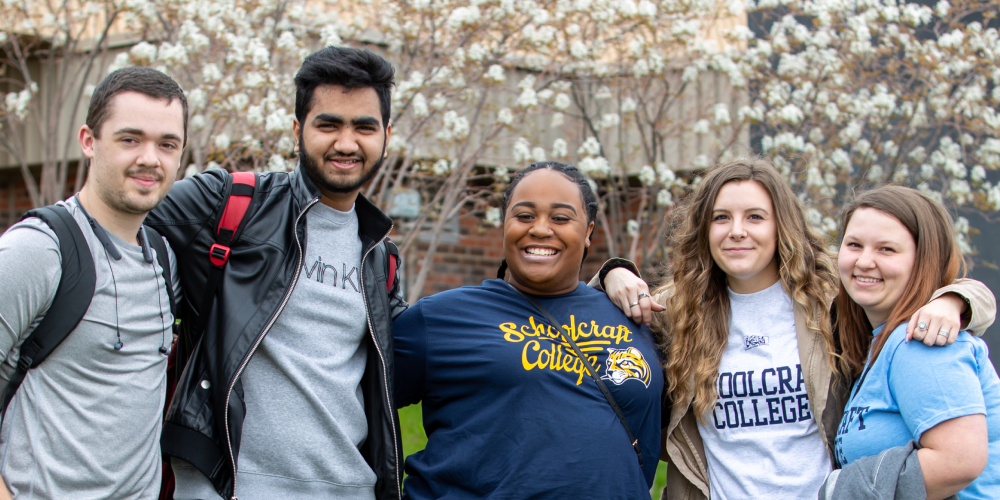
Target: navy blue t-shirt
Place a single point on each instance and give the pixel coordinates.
(509, 410)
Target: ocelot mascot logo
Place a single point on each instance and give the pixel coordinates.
(626, 364)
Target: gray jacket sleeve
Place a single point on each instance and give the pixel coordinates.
(893, 473)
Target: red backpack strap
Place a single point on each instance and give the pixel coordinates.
(393, 264)
(233, 215)
(236, 208)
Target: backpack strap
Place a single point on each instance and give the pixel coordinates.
(393, 263)
(241, 189)
(70, 303)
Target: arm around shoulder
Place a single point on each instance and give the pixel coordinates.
(982, 305)
(190, 204)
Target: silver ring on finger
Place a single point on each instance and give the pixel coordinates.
(633, 304)
(922, 326)
(944, 333)
(641, 295)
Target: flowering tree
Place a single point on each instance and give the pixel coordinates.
(841, 95)
(861, 94)
(49, 52)
(236, 60)
(596, 82)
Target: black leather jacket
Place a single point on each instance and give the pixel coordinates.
(205, 419)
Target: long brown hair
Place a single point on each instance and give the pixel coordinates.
(696, 322)
(932, 230)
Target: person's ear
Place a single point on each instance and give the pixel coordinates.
(295, 134)
(590, 232)
(385, 145)
(86, 138)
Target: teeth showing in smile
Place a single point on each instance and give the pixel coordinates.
(540, 251)
(867, 280)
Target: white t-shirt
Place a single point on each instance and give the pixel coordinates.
(761, 438)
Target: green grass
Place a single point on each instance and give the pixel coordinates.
(412, 427)
(414, 440)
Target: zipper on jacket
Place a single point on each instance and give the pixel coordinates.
(260, 338)
(378, 348)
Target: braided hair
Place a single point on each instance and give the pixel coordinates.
(568, 171)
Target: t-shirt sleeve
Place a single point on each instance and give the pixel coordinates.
(30, 270)
(410, 355)
(935, 384)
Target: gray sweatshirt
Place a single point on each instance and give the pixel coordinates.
(305, 418)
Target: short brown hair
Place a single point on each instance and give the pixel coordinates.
(146, 81)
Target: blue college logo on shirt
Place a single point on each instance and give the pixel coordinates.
(751, 341)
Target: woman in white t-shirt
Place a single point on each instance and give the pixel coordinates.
(756, 390)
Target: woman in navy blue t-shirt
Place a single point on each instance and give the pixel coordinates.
(509, 409)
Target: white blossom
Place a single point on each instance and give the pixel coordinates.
(441, 167)
(528, 98)
(143, 52)
(493, 216)
(277, 164)
(647, 176)
(538, 153)
(721, 114)
(521, 150)
(211, 73)
(505, 116)
(610, 120)
(278, 121)
(595, 166)
(561, 102)
(629, 105)
(590, 147)
(419, 106)
(222, 141)
(632, 228)
(664, 198)
(495, 73)
(463, 16)
(559, 149)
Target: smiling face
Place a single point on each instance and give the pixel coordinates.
(545, 232)
(134, 162)
(876, 259)
(342, 142)
(743, 235)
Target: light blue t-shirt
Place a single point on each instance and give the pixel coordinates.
(911, 388)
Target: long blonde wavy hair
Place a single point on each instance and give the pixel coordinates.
(695, 326)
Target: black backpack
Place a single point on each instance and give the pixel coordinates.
(74, 294)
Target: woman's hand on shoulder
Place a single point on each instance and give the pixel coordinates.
(938, 322)
(631, 295)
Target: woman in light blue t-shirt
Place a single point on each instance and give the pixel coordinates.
(898, 247)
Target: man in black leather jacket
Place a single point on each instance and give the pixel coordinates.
(275, 371)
